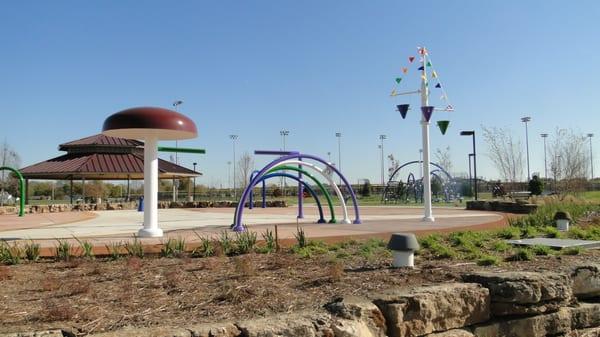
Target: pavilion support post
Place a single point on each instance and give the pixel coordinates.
(150, 190)
(71, 190)
(27, 191)
(128, 189)
(83, 189)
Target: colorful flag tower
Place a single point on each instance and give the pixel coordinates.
(426, 113)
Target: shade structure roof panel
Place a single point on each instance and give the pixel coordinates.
(101, 166)
(101, 139)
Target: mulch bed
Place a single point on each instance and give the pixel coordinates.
(87, 296)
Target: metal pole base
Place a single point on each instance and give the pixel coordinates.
(429, 219)
(150, 233)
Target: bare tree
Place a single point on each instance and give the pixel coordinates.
(393, 165)
(505, 152)
(245, 166)
(569, 160)
(442, 158)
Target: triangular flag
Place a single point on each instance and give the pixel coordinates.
(404, 70)
(411, 59)
(428, 64)
(438, 85)
(434, 74)
(393, 93)
(443, 125)
(398, 79)
(422, 51)
(423, 77)
(403, 109)
(449, 107)
(427, 111)
(421, 68)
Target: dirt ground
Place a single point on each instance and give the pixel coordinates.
(87, 296)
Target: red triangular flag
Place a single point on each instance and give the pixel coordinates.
(411, 59)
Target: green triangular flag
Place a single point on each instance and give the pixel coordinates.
(443, 125)
(428, 64)
(398, 79)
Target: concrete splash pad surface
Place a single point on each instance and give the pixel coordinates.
(108, 226)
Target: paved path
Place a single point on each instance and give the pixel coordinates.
(109, 226)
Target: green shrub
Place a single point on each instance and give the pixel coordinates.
(135, 248)
(173, 248)
(501, 246)
(10, 254)
(32, 251)
(245, 242)
(488, 260)
(226, 243)
(311, 248)
(578, 233)
(87, 249)
(510, 232)
(114, 250)
(528, 231)
(541, 250)
(430, 240)
(270, 244)
(442, 251)
(300, 237)
(571, 251)
(206, 248)
(63, 250)
(551, 232)
(522, 254)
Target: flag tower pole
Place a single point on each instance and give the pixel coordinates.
(427, 211)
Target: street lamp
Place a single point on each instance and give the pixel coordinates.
(228, 174)
(233, 139)
(382, 137)
(472, 134)
(194, 190)
(283, 133)
(545, 135)
(339, 137)
(176, 105)
(590, 135)
(527, 120)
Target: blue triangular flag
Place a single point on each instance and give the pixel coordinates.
(421, 68)
(438, 85)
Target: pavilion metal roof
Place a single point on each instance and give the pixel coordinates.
(101, 157)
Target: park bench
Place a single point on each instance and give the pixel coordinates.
(519, 195)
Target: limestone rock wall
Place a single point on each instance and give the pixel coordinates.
(509, 304)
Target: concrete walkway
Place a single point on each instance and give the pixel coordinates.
(109, 226)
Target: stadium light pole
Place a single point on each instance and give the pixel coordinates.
(527, 120)
(472, 134)
(382, 138)
(590, 135)
(339, 137)
(544, 136)
(233, 139)
(176, 105)
(283, 133)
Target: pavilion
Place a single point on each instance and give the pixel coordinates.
(100, 157)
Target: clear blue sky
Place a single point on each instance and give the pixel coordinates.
(312, 67)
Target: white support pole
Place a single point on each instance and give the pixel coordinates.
(428, 213)
(150, 190)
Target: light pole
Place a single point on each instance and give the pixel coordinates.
(228, 174)
(176, 105)
(339, 137)
(590, 135)
(382, 137)
(545, 135)
(283, 133)
(472, 133)
(194, 190)
(233, 139)
(527, 120)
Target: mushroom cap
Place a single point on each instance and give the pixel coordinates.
(403, 242)
(149, 122)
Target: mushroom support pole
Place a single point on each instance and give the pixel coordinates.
(150, 190)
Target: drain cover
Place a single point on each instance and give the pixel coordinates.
(555, 243)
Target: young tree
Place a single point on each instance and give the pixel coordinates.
(442, 158)
(568, 160)
(505, 152)
(8, 157)
(245, 166)
(392, 166)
